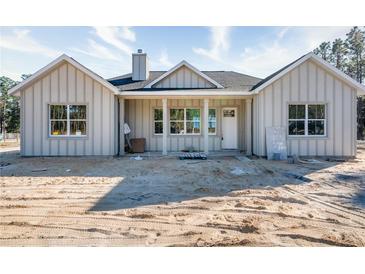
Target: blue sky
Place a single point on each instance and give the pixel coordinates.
(256, 51)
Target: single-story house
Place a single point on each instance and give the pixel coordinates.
(67, 109)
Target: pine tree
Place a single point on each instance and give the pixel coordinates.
(9, 107)
(355, 43)
(324, 51)
(338, 54)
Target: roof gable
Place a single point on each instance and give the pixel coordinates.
(175, 78)
(63, 58)
(319, 61)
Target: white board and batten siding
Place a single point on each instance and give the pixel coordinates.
(139, 116)
(184, 78)
(308, 83)
(67, 85)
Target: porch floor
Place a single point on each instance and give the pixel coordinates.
(220, 153)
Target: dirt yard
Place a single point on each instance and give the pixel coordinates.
(167, 202)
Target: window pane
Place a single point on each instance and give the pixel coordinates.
(176, 127)
(292, 111)
(316, 112)
(212, 114)
(211, 127)
(158, 114)
(296, 111)
(193, 114)
(321, 111)
(58, 111)
(176, 114)
(315, 127)
(192, 127)
(77, 112)
(78, 128)
(58, 127)
(296, 128)
(212, 121)
(158, 127)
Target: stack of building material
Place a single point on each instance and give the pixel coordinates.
(193, 156)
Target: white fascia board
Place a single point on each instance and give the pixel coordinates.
(179, 65)
(185, 93)
(15, 90)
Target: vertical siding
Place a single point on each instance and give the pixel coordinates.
(67, 85)
(183, 78)
(139, 116)
(308, 83)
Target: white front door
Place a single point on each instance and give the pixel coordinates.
(229, 128)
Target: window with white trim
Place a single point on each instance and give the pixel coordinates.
(185, 121)
(158, 120)
(307, 120)
(67, 120)
(212, 121)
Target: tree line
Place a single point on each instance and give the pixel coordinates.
(9, 106)
(348, 55)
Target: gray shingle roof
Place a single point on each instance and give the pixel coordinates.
(230, 80)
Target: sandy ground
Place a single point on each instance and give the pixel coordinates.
(9, 145)
(167, 202)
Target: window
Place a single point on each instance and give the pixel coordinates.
(212, 121)
(177, 121)
(185, 121)
(67, 120)
(307, 120)
(316, 119)
(158, 121)
(192, 121)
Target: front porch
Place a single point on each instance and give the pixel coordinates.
(174, 154)
(215, 125)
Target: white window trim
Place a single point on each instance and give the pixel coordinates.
(306, 120)
(68, 121)
(184, 121)
(154, 122)
(216, 121)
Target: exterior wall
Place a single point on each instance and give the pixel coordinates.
(184, 78)
(308, 83)
(139, 116)
(67, 85)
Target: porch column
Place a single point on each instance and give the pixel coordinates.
(205, 129)
(248, 127)
(164, 127)
(121, 125)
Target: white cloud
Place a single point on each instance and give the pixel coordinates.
(313, 36)
(282, 32)
(115, 36)
(265, 59)
(21, 40)
(11, 74)
(94, 49)
(220, 43)
(128, 34)
(290, 43)
(164, 60)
